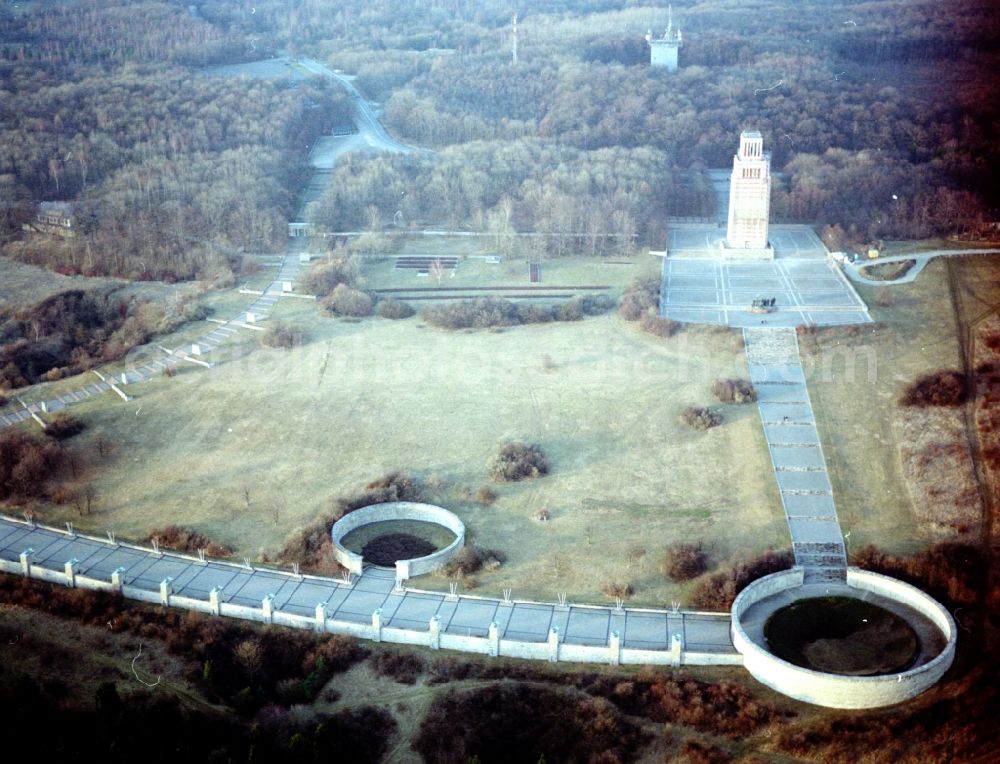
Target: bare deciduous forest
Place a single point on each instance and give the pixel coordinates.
(881, 118)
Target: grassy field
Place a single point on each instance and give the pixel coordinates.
(294, 429)
(855, 381)
(252, 450)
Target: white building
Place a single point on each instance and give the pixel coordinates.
(749, 199)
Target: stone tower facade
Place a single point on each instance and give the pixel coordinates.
(749, 199)
(663, 51)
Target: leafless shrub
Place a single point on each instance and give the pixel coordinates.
(404, 668)
(281, 334)
(657, 325)
(941, 388)
(717, 591)
(395, 309)
(345, 301)
(619, 589)
(684, 561)
(473, 559)
(519, 461)
(734, 391)
(63, 425)
(640, 298)
(700, 418)
(182, 539)
(486, 495)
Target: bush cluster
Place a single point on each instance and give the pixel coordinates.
(348, 302)
(619, 589)
(182, 539)
(519, 461)
(511, 721)
(281, 334)
(700, 418)
(683, 561)
(63, 425)
(395, 309)
(323, 277)
(235, 662)
(734, 391)
(657, 325)
(717, 591)
(26, 464)
(941, 388)
(404, 668)
(492, 312)
(640, 298)
(472, 559)
(74, 330)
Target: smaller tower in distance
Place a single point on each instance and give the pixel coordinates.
(663, 50)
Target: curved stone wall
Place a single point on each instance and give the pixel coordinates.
(833, 690)
(399, 510)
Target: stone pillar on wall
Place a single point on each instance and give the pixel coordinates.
(554, 644)
(377, 625)
(267, 608)
(70, 569)
(26, 562)
(215, 600)
(434, 632)
(166, 590)
(614, 648)
(321, 617)
(118, 579)
(676, 648)
(494, 639)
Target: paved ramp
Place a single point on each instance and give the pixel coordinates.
(796, 454)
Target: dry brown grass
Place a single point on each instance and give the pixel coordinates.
(937, 464)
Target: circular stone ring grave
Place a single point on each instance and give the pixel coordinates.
(398, 510)
(933, 625)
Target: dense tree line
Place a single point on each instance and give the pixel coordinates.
(113, 32)
(591, 201)
(899, 141)
(170, 175)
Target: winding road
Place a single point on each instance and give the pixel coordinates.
(855, 270)
(370, 131)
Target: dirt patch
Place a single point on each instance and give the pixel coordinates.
(842, 635)
(387, 548)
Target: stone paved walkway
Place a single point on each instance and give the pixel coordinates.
(353, 607)
(796, 454)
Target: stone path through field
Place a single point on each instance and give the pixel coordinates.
(793, 442)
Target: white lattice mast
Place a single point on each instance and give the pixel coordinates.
(513, 48)
(749, 195)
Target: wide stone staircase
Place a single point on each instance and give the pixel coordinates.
(796, 454)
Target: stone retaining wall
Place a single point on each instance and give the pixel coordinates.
(399, 510)
(833, 690)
